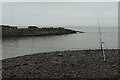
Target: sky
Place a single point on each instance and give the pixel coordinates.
(60, 13)
(60, 0)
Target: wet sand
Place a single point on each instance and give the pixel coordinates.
(62, 64)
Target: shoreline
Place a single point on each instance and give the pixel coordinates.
(63, 64)
(13, 31)
(45, 52)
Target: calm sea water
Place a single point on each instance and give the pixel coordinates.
(18, 46)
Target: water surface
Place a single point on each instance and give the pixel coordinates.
(18, 46)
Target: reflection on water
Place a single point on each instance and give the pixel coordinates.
(18, 46)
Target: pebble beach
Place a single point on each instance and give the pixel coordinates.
(62, 64)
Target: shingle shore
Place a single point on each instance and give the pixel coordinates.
(62, 64)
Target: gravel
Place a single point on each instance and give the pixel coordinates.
(62, 64)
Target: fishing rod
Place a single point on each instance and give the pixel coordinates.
(101, 43)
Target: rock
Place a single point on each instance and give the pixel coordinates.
(60, 55)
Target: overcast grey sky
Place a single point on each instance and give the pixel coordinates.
(60, 13)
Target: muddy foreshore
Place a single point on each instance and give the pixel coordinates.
(62, 64)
